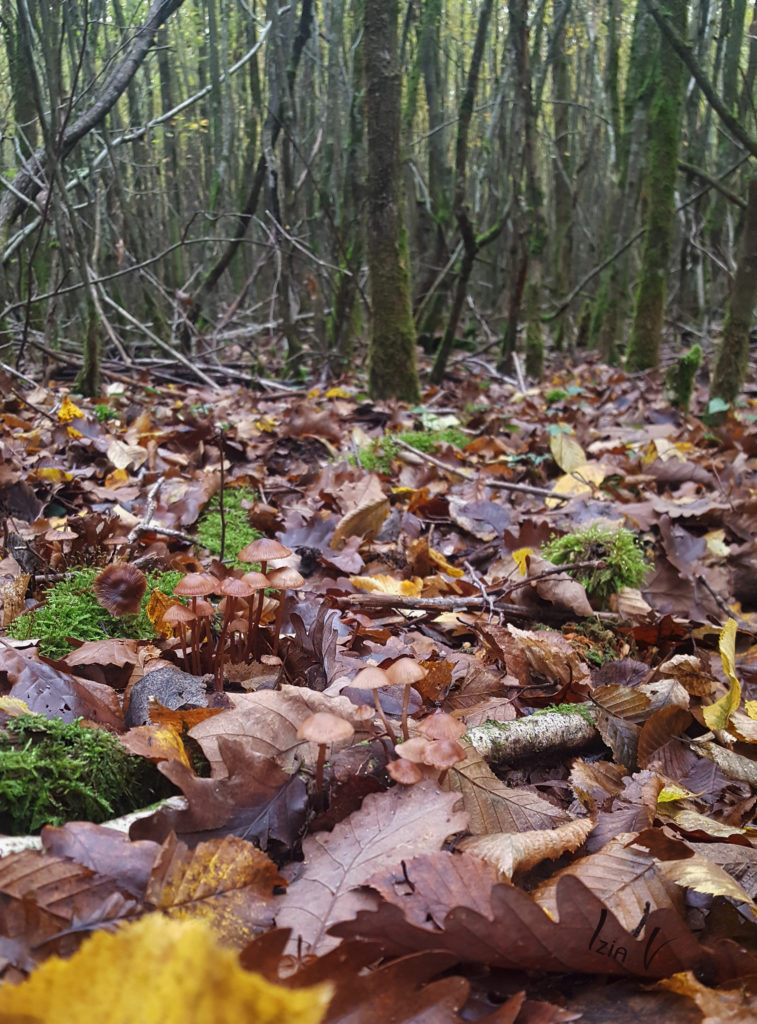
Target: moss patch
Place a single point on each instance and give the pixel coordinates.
(70, 611)
(379, 456)
(239, 533)
(52, 772)
(623, 560)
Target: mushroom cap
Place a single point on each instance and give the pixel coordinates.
(265, 549)
(441, 726)
(415, 750)
(196, 584)
(444, 753)
(119, 589)
(204, 609)
(371, 678)
(323, 727)
(233, 587)
(405, 672)
(404, 771)
(177, 613)
(285, 578)
(257, 580)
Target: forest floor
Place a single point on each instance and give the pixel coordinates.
(552, 816)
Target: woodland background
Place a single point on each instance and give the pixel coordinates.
(209, 182)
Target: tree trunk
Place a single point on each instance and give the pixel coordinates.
(662, 170)
(392, 371)
(732, 354)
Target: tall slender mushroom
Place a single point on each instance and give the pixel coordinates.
(258, 582)
(263, 550)
(324, 729)
(282, 579)
(405, 672)
(194, 585)
(232, 589)
(176, 615)
(374, 678)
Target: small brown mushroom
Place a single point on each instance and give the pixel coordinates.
(232, 589)
(194, 585)
(176, 615)
(374, 678)
(282, 579)
(441, 726)
(405, 672)
(324, 729)
(404, 771)
(119, 589)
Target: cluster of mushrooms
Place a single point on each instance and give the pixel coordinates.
(434, 747)
(120, 588)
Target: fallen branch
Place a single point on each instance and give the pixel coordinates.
(551, 734)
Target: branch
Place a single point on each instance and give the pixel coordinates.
(25, 180)
(683, 50)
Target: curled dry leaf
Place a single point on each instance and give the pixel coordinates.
(510, 853)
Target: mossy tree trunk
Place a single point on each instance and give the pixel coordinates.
(392, 371)
(662, 169)
(732, 353)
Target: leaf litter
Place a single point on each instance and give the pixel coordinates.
(535, 874)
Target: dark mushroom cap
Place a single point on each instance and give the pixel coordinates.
(119, 589)
(177, 613)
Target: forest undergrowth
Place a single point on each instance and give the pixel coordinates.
(457, 702)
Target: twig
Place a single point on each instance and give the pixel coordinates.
(489, 600)
(504, 485)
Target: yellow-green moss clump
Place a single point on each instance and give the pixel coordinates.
(379, 456)
(623, 562)
(52, 772)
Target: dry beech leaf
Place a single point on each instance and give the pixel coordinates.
(510, 853)
(567, 452)
(494, 807)
(268, 720)
(624, 877)
(383, 584)
(560, 589)
(596, 783)
(389, 827)
(704, 876)
(227, 882)
(156, 971)
(659, 741)
(583, 935)
(364, 521)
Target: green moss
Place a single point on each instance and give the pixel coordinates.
(238, 534)
(70, 611)
(679, 378)
(52, 772)
(623, 562)
(584, 710)
(378, 457)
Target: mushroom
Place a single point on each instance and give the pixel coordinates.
(323, 728)
(119, 589)
(232, 588)
(282, 579)
(405, 672)
(258, 582)
(263, 550)
(441, 726)
(405, 772)
(374, 678)
(194, 585)
(176, 615)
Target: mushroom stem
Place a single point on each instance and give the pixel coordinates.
(218, 681)
(405, 706)
(320, 795)
(382, 716)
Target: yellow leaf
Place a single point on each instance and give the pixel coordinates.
(52, 474)
(750, 707)
(157, 971)
(68, 411)
(581, 481)
(156, 743)
(13, 706)
(383, 584)
(337, 393)
(520, 557)
(441, 562)
(727, 647)
(567, 452)
(672, 792)
(717, 715)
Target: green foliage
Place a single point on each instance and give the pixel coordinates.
(239, 533)
(623, 562)
(52, 772)
(104, 412)
(70, 610)
(679, 378)
(378, 457)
